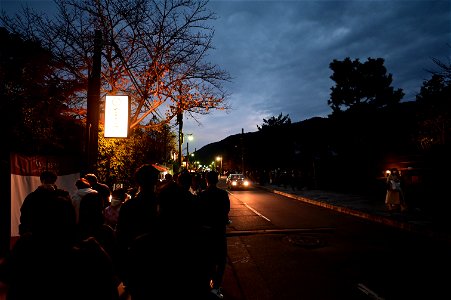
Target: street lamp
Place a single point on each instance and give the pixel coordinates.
(190, 138)
(219, 158)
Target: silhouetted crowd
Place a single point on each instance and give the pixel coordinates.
(160, 240)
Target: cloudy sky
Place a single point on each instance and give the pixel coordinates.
(278, 53)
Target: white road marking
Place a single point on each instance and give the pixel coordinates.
(256, 212)
(369, 292)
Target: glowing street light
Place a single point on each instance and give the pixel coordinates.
(219, 158)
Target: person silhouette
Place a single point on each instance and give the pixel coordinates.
(173, 253)
(394, 196)
(50, 256)
(83, 188)
(100, 187)
(138, 215)
(31, 206)
(183, 241)
(214, 208)
(92, 224)
(176, 203)
(111, 212)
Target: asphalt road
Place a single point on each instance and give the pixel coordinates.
(281, 248)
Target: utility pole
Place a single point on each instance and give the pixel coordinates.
(190, 138)
(93, 106)
(242, 151)
(180, 122)
(187, 156)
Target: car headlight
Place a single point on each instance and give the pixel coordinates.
(246, 183)
(233, 182)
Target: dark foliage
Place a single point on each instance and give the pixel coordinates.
(347, 152)
(32, 100)
(361, 85)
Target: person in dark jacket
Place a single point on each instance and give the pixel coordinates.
(138, 215)
(214, 208)
(49, 262)
(32, 207)
(102, 188)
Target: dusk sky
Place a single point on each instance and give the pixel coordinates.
(278, 54)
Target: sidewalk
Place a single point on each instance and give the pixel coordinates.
(360, 206)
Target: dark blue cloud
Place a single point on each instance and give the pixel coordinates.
(279, 53)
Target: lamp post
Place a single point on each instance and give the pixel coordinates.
(190, 138)
(219, 158)
(93, 106)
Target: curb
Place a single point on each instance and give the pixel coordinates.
(371, 217)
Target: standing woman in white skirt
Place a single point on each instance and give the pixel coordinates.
(394, 197)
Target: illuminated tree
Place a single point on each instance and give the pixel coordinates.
(119, 158)
(154, 51)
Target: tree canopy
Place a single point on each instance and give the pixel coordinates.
(154, 51)
(275, 122)
(434, 113)
(361, 84)
(33, 98)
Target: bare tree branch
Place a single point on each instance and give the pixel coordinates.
(154, 51)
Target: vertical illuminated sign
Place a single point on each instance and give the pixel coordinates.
(116, 116)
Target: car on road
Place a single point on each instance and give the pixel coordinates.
(237, 181)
